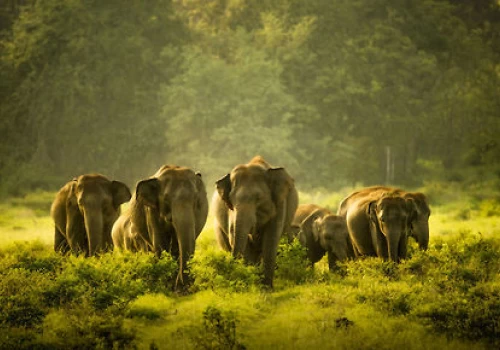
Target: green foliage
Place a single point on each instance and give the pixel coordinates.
(218, 331)
(292, 263)
(84, 328)
(20, 294)
(338, 92)
(218, 270)
(82, 302)
(490, 207)
(447, 297)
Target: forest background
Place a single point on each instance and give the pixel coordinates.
(339, 92)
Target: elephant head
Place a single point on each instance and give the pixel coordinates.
(389, 217)
(329, 232)
(259, 199)
(93, 203)
(176, 211)
(252, 194)
(419, 225)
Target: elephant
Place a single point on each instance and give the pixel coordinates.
(253, 206)
(378, 226)
(321, 232)
(84, 211)
(166, 213)
(418, 227)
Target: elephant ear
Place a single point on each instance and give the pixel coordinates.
(310, 224)
(71, 198)
(280, 183)
(200, 186)
(224, 188)
(148, 192)
(371, 211)
(120, 192)
(420, 203)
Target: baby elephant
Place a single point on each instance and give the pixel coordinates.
(322, 232)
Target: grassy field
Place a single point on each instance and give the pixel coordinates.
(445, 298)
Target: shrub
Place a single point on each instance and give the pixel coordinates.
(473, 315)
(218, 331)
(21, 304)
(292, 263)
(84, 328)
(396, 298)
(219, 270)
(373, 267)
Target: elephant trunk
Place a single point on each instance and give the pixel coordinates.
(94, 228)
(244, 222)
(421, 233)
(393, 242)
(184, 224)
(340, 252)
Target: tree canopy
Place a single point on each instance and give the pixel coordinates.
(339, 92)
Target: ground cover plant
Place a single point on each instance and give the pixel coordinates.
(445, 298)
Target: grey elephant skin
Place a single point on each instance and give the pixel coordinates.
(419, 225)
(167, 213)
(253, 206)
(321, 232)
(378, 225)
(84, 211)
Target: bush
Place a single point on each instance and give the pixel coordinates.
(219, 270)
(84, 328)
(21, 304)
(396, 299)
(473, 315)
(292, 263)
(218, 331)
(373, 267)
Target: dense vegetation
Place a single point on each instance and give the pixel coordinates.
(339, 92)
(445, 298)
(343, 93)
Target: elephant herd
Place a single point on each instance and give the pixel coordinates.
(253, 206)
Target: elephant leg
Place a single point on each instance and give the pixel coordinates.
(380, 244)
(107, 239)
(60, 243)
(77, 235)
(253, 251)
(174, 247)
(332, 261)
(270, 241)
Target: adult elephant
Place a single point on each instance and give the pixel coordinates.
(167, 213)
(84, 211)
(321, 232)
(419, 224)
(253, 206)
(378, 227)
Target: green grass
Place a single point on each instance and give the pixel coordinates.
(446, 298)
(27, 219)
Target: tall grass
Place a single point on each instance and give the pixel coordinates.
(445, 298)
